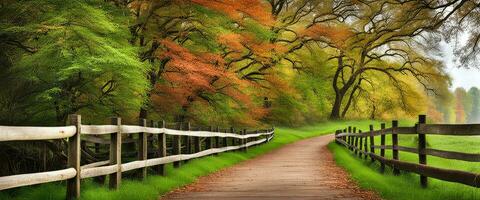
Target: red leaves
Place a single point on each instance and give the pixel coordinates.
(238, 9)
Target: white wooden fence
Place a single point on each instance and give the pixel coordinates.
(114, 166)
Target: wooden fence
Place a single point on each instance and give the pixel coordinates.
(363, 144)
(216, 141)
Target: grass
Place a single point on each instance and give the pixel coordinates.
(155, 186)
(406, 186)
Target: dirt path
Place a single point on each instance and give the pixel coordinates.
(302, 170)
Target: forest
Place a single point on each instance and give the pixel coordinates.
(228, 62)
(248, 62)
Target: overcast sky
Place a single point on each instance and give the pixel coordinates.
(462, 77)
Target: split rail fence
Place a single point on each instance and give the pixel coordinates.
(196, 143)
(363, 144)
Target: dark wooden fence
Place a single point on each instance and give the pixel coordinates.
(153, 149)
(363, 144)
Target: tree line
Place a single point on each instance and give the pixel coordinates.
(247, 62)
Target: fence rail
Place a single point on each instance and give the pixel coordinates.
(216, 141)
(353, 141)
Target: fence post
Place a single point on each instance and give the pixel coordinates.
(162, 149)
(217, 139)
(372, 142)
(188, 144)
(266, 135)
(360, 145)
(355, 140)
(177, 145)
(212, 139)
(344, 138)
(365, 146)
(244, 141)
(196, 141)
(142, 149)
(269, 135)
(349, 138)
(382, 149)
(208, 140)
(73, 184)
(422, 144)
(232, 140)
(189, 141)
(116, 154)
(200, 139)
(396, 171)
(239, 141)
(336, 134)
(225, 141)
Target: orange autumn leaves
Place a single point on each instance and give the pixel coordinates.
(335, 35)
(194, 74)
(191, 76)
(238, 44)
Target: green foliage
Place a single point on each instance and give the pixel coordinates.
(309, 98)
(82, 61)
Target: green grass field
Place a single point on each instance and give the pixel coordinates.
(155, 186)
(406, 186)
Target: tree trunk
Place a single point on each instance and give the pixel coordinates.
(372, 114)
(350, 98)
(335, 114)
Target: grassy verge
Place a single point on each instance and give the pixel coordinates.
(406, 186)
(155, 186)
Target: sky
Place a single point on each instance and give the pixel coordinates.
(461, 77)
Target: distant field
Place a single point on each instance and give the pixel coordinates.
(155, 186)
(407, 185)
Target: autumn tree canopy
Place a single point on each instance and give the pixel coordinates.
(195, 59)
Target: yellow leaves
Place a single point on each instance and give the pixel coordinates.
(280, 85)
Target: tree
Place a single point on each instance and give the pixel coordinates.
(458, 19)
(299, 23)
(59, 58)
(64, 59)
(189, 77)
(383, 32)
(175, 35)
(474, 96)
